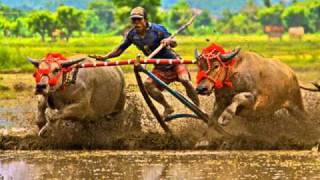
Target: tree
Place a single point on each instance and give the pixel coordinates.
(267, 3)
(42, 22)
(297, 15)
(151, 6)
(240, 23)
(5, 26)
(203, 19)
(271, 15)
(178, 15)
(70, 19)
(203, 24)
(122, 18)
(93, 23)
(314, 7)
(104, 11)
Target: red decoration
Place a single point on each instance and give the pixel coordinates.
(51, 57)
(211, 53)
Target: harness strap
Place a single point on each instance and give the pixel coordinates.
(226, 68)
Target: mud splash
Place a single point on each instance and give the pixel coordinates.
(136, 128)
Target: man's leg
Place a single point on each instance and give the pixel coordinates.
(157, 95)
(184, 78)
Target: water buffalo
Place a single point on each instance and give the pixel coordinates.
(79, 95)
(296, 32)
(247, 84)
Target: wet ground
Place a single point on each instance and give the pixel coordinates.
(159, 165)
(137, 129)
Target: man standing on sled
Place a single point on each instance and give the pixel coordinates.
(147, 37)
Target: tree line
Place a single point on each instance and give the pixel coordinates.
(112, 17)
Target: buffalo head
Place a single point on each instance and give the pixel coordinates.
(211, 72)
(49, 72)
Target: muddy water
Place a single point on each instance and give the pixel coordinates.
(159, 165)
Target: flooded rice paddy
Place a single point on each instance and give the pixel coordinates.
(159, 165)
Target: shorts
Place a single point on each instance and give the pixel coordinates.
(179, 72)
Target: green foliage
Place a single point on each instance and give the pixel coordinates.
(112, 16)
(178, 15)
(93, 23)
(203, 19)
(122, 19)
(297, 15)
(151, 6)
(245, 22)
(203, 24)
(315, 14)
(105, 13)
(70, 19)
(241, 24)
(42, 22)
(267, 3)
(271, 15)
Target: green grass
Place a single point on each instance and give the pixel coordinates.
(301, 55)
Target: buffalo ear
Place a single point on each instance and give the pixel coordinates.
(229, 56)
(72, 62)
(33, 61)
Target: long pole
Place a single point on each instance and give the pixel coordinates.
(183, 27)
(133, 61)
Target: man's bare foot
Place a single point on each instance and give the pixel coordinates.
(167, 111)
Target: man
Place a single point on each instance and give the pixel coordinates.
(147, 37)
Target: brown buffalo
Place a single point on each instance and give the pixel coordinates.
(247, 84)
(87, 95)
(274, 31)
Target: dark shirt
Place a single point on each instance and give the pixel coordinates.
(147, 44)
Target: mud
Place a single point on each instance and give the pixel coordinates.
(136, 128)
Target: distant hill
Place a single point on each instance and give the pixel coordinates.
(45, 4)
(215, 6)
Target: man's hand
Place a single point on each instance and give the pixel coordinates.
(98, 58)
(168, 42)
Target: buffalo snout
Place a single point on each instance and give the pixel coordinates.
(202, 90)
(40, 88)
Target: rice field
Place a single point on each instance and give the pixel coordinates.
(300, 55)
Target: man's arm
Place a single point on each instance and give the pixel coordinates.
(118, 51)
(115, 53)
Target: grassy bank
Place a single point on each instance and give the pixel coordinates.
(301, 55)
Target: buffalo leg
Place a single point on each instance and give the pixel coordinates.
(42, 106)
(70, 112)
(244, 99)
(219, 106)
(73, 111)
(296, 111)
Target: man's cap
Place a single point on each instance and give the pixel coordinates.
(137, 12)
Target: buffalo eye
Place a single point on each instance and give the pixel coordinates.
(56, 71)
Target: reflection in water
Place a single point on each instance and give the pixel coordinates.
(5, 123)
(159, 165)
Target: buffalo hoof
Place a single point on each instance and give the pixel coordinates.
(202, 144)
(41, 124)
(45, 131)
(223, 120)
